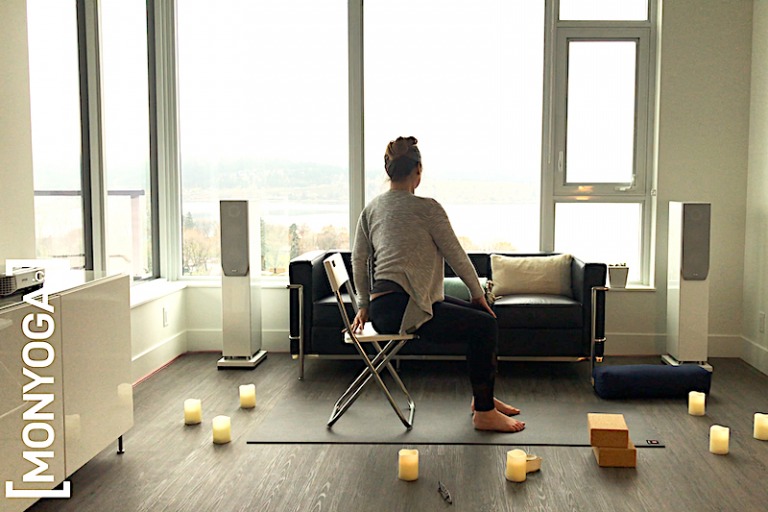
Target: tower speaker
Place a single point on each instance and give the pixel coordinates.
(687, 283)
(240, 286)
(234, 238)
(695, 241)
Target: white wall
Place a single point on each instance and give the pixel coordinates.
(17, 215)
(702, 156)
(153, 341)
(756, 246)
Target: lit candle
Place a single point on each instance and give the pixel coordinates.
(222, 431)
(718, 439)
(408, 465)
(248, 396)
(697, 403)
(516, 465)
(193, 411)
(761, 426)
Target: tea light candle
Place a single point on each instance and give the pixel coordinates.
(697, 403)
(408, 465)
(761, 426)
(193, 411)
(516, 462)
(248, 396)
(222, 431)
(718, 439)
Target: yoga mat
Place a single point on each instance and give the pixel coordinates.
(371, 420)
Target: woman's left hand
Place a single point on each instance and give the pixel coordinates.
(483, 304)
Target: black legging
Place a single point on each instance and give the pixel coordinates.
(453, 321)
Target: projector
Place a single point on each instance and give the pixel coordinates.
(22, 279)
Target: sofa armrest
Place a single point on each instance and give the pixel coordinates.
(303, 271)
(585, 276)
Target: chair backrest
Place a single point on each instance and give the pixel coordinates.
(336, 271)
(338, 278)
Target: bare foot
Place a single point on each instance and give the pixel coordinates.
(501, 407)
(496, 421)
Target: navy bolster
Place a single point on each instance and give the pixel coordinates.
(650, 380)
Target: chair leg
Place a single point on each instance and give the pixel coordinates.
(372, 370)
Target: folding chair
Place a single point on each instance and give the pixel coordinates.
(338, 278)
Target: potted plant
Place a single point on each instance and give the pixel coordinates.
(617, 275)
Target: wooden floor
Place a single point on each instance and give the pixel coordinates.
(170, 467)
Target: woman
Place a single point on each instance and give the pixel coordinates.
(401, 244)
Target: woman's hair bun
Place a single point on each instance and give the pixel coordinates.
(400, 147)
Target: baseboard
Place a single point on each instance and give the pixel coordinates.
(755, 355)
(211, 339)
(157, 356)
(648, 344)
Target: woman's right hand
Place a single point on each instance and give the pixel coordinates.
(360, 319)
(481, 303)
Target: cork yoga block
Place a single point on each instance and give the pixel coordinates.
(608, 430)
(616, 457)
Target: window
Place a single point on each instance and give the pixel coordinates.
(263, 113)
(604, 10)
(55, 114)
(600, 179)
(467, 81)
(125, 115)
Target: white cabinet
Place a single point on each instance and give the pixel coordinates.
(91, 381)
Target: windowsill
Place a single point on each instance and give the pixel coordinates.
(635, 288)
(268, 283)
(152, 290)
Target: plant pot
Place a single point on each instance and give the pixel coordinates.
(617, 276)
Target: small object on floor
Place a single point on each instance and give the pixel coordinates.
(608, 457)
(609, 437)
(444, 493)
(532, 463)
(193, 411)
(408, 465)
(718, 439)
(607, 430)
(760, 430)
(222, 430)
(517, 465)
(697, 403)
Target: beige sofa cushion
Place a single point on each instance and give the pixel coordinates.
(549, 275)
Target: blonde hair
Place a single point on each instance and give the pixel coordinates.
(401, 157)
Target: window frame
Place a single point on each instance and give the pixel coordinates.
(94, 183)
(642, 190)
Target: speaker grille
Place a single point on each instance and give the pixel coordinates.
(234, 238)
(695, 250)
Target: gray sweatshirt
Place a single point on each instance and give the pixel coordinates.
(406, 239)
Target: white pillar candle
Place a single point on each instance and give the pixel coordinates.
(516, 465)
(193, 411)
(248, 396)
(408, 465)
(697, 403)
(222, 431)
(761, 426)
(718, 439)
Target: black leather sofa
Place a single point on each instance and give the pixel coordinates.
(531, 326)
